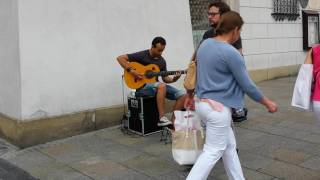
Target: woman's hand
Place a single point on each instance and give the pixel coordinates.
(270, 105)
(189, 102)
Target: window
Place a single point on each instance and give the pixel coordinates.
(199, 19)
(310, 28)
(198, 11)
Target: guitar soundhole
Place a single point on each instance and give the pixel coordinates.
(149, 74)
(153, 68)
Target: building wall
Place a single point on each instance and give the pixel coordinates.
(68, 49)
(314, 5)
(268, 43)
(234, 4)
(10, 90)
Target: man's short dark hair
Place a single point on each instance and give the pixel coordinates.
(157, 40)
(223, 7)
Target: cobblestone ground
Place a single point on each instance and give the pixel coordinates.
(285, 145)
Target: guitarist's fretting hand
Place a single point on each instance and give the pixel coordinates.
(176, 76)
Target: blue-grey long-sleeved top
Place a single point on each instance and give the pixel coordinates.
(222, 75)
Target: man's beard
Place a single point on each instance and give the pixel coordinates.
(214, 25)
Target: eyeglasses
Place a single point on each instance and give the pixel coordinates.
(212, 14)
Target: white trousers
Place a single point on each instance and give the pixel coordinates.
(220, 142)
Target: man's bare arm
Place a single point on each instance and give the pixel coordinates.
(124, 61)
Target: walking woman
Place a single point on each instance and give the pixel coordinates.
(222, 81)
(313, 57)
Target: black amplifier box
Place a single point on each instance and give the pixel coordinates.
(143, 115)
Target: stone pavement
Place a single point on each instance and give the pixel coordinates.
(7, 169)
(285, 145)
(12, 172)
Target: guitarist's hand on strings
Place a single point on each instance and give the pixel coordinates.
(136, 74)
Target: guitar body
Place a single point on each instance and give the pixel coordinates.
(135, 83)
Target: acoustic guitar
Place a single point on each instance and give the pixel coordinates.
(150, 73)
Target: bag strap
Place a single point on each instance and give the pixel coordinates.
(188, 122)
(193, 58)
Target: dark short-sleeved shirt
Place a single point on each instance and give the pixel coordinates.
(212, 33)
(144, 58)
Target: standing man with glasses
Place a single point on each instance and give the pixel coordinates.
(216, 9)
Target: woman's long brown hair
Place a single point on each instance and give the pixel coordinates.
(228, 22)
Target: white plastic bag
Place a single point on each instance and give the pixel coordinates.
(186, 120)
(188, 138)
(301, 97)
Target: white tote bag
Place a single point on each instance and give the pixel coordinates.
(301, 97)
(188, 138)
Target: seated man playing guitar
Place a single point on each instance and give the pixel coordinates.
(158, 89)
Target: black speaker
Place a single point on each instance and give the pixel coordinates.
(143, 115)
(239, 115)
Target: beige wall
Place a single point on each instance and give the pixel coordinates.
(313, 5)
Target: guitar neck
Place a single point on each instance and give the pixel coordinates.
(166, 73)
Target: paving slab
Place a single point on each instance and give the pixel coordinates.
(312, 163)
(253, 161)
(12, 172)
(66, 152)
(290, 156)
(30, 158)
(150, 165)
(99, 168)
(289, 171)
(249, 175)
